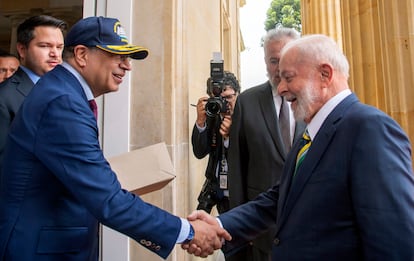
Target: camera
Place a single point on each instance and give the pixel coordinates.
(209, 195)
(215, 86)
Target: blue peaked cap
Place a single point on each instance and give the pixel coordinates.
(104, 33)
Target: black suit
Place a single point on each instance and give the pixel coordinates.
(12, 93)
(256, 152)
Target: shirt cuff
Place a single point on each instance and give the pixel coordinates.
(226, 143)
(184, 232)
(219, 221)
(201, 129)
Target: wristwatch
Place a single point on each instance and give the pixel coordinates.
(190, 235)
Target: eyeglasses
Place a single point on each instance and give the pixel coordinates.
(229, 97)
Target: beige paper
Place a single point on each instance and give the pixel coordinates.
(144, 170)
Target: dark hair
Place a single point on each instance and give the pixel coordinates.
(228, 79)
(25, 30)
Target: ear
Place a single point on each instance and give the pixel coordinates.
(80, 53)
(326, 71)
(20, 48)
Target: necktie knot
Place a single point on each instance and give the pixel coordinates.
(306, 142)
(306, 136)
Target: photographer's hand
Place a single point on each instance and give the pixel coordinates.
(201, 112)
(225, 126)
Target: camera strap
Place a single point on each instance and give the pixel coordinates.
(223, 169)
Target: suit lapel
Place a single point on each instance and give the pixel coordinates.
(267, 107)
(321, 141)
(286, 178)
(299, 130)
(290, 190)
(284, 187)
(23, 83)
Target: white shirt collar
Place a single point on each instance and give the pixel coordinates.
(33, 77)
(317, 121)
(82, 81)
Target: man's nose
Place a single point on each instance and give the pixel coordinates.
(126, 64)
(281, 88)
(54, 51)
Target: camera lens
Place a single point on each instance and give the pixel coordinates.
(215, 105)
(212, 108)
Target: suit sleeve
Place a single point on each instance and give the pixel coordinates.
(199, 141)
(237, 158)
(247, 221)
(382, 189)
(67, 143)
(4, 128)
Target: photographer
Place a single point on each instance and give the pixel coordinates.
(210, 136)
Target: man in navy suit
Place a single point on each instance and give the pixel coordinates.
(351, 196)
(257, 150)
(39, 45)
(56, 184)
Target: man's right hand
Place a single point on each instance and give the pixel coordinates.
(201, 112)
(209, 235)
(225, 126)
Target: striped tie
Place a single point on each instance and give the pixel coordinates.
(284, 124)
(306, 142)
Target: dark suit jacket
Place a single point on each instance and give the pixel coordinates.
(12, 93)
(203, 145)
(256, 152)
(352, 197)
(210, 142)
(57, 184)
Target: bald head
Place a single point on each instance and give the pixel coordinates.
(312, 70)
(320, 49)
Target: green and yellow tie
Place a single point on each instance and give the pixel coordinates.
(306, 142)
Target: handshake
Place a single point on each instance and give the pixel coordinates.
(209, 235)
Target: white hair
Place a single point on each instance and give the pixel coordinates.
(280, 33)
(320, 48)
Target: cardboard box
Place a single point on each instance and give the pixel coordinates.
(144, 170)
